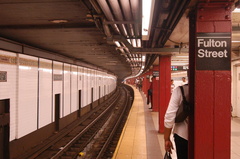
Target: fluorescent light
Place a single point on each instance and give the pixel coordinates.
(117, 43)
(25, 68)
(124, 29)
(236, 41)
(74, 73)
(57, 21)
(236, 10)
(129, 41)
(143, 58)
(134, 43)
(179, 64)
(139, 43)
(181, 56)
(46, 70)
(147, 11)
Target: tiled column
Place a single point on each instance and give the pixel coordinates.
(164, 88)
(210, 80)
(155, 83)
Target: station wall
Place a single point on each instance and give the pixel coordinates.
(31, 84)
(236, 88)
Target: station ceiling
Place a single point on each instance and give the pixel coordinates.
(103, 33)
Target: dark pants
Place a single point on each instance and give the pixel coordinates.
(149, 96)
(181, 146)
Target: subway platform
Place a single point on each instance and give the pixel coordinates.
(140, 138)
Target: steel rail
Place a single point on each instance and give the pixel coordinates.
(104, 147)
(70, 143)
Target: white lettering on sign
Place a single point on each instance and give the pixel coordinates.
(205, 53)
(211, 43)
(213, 51)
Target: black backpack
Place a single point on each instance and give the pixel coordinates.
(183, 110)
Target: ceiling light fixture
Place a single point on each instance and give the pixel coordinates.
(117, 43)
(143, 58)
(134, 43)
(181, 56)
(57, 21)
(179, 63)
(147, 11)
(236, 10)
(139, 43)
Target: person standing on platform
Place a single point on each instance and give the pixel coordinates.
(183, 81)
(180, 130)
(149, 95)
(140, 84)
(172, 85)
(136, 83)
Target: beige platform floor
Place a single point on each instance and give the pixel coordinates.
(141, 140)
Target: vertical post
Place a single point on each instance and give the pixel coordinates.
(147, 82)
(164, 88)
(210, 80)
(155, 84)
(144, 84)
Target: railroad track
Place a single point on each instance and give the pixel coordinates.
(105, 143)
(93, 130)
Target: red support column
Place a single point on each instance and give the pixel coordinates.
(155, 94)
(210, 81)
(164, 88)
(146, 83)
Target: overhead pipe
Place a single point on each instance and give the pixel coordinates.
(173, 18)
(107, 12)
(97, 20)
(161, 12)
(169, 20)
(118, 15)
(127, 14)
(95, 6)
(135, 5)
(127, 53)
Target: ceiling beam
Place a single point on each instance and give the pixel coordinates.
(160, 51)
(49, 26)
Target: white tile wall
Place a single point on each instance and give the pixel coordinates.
(27, 93)
(67, 86)
(94, 85)
(74, 88)
(89, 86)
(57, 86)
(236, 88)
(80, 81)
(85, 87)
(33, 78)
(237, 106)
(45, 92)
(100, 84)
(87, 91)
(8, 90)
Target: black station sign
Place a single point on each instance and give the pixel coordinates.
(156, 73)
(213, 51)
(179, 68)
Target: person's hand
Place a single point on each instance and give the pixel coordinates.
(168, 146)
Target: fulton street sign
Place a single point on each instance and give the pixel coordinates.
(213, 51)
